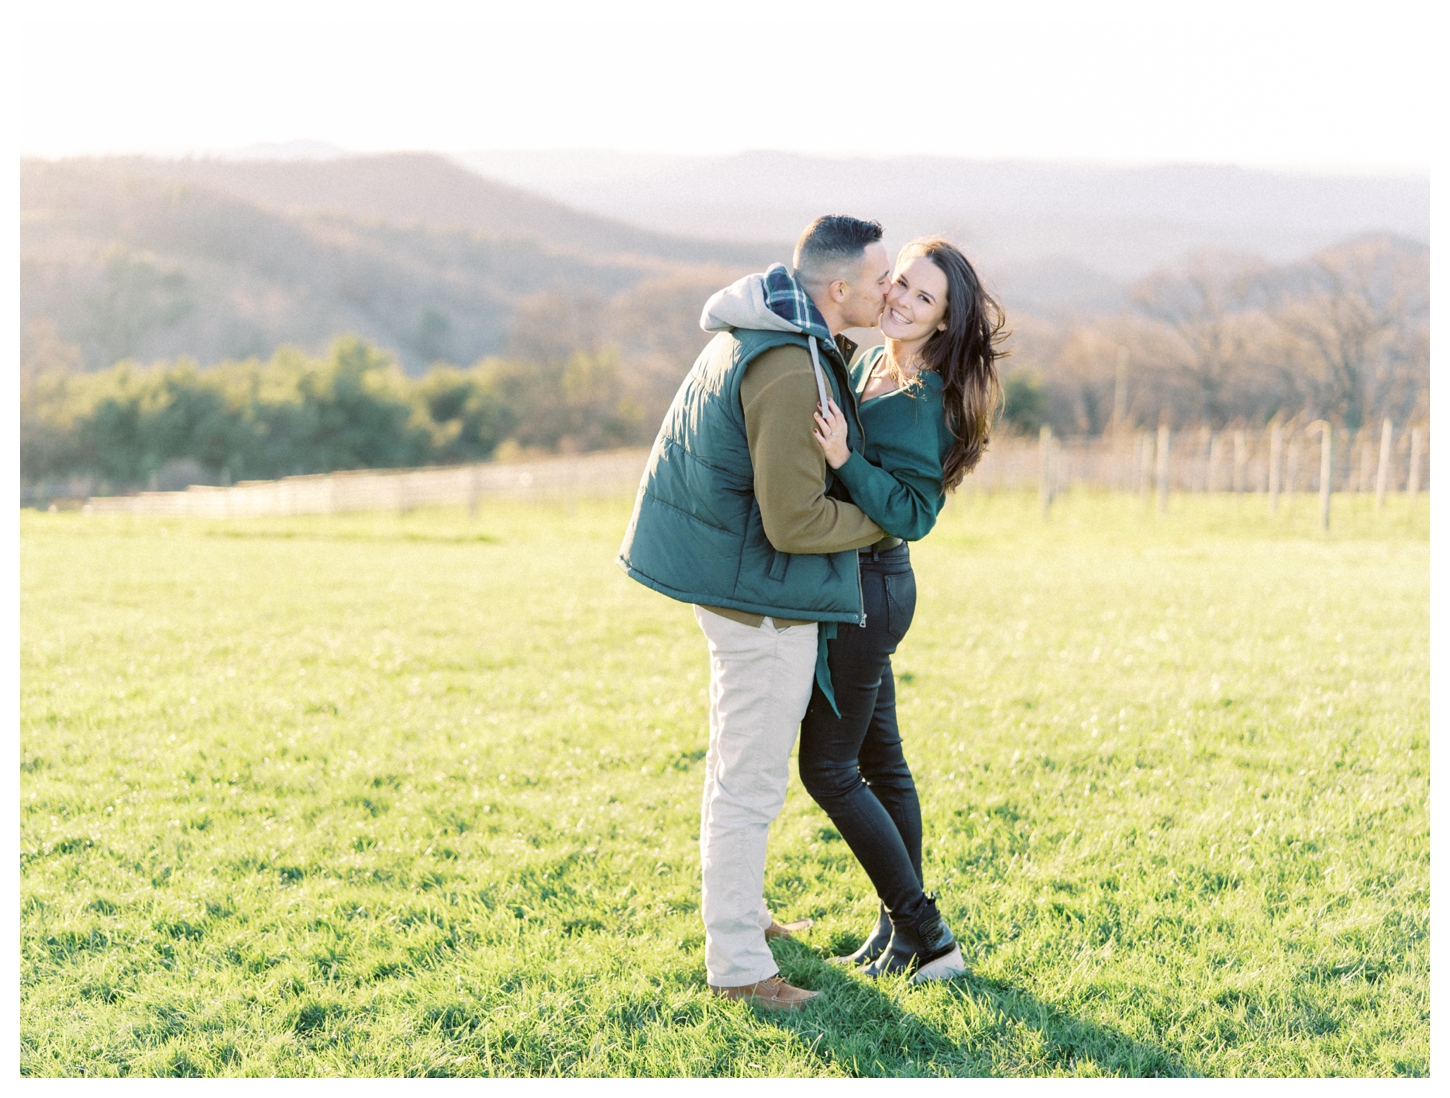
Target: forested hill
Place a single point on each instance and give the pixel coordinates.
(146, 259)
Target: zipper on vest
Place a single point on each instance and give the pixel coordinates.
(861, 594)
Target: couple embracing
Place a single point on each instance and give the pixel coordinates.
(779, 500)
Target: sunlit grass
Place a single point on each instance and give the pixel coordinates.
(418, 795)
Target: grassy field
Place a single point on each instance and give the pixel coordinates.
(418, 795)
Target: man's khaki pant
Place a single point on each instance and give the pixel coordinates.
(760, 685)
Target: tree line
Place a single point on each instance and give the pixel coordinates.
(350, 408)
(1343, 336)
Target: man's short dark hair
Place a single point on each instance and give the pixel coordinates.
(832, 246)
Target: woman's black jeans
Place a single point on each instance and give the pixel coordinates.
(853, 764)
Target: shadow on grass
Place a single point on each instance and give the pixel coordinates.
(862, 1031)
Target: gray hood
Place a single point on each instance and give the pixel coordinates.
(742, 305)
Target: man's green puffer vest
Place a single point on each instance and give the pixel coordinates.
(696, 533)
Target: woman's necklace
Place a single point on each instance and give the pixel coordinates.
(889, 368)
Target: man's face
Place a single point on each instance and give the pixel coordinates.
(866, 293)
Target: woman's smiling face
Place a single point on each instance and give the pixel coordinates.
(917, 304)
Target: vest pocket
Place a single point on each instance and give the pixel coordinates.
(778, 564)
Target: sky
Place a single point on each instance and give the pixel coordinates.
(1323, 87)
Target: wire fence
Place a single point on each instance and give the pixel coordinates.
(1281, 458)
(1291, 457)
(561, 478)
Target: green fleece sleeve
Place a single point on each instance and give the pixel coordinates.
(905, 502)
(778, 394)
(905, 494)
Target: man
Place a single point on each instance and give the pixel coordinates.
(738, 514)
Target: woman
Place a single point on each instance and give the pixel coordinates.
(927, 400)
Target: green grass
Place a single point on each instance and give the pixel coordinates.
(384, 795)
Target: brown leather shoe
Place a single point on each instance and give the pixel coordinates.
(772, 994)
(786, 930)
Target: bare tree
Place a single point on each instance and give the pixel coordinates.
(1202, 307)
(1355, 320)
(656, 326)
(1085, 373)
(551, 326)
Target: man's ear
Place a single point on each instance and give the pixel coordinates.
(838, 290)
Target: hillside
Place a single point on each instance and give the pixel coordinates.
(431, 190)
(211, 259)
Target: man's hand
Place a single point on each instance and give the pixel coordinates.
(830, 434)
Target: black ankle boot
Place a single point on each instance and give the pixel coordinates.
(874, 945)
(924, 944)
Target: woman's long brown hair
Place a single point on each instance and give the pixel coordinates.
(964, 355)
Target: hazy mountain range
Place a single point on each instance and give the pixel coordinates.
(431, 257)
(1050, 236)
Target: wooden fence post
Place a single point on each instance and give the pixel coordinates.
(1145, 465)
(1163, 442)
(1382, 481)
(1296, 453)
(1044, 468)
(1326, 472)
(1215, 455)
(1120, 392)
(1241, 460)
(1276, 455)
(475, 489)
(1366, 459)
(1417, 442)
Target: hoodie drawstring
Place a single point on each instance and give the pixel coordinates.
(820, 374)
